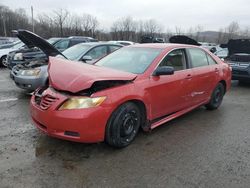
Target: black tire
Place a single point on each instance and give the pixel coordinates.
(3, 61)
(216, 98)
(123, 125)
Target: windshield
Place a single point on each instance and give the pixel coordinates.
(18, 45)
(133, 60)
(75, 52)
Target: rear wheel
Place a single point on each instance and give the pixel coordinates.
(3, 61)
(123, 125)
(216, 98)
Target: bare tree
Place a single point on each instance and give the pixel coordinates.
(60, 18)
(178, 30)
(152, 27)
(124, 29)
(232, 30)
(89, 24)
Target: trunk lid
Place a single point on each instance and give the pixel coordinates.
(65, 75)
(182, 39)
(238, 46)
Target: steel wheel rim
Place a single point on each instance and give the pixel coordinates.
(128, 124)
(4, 61)
(217, 96)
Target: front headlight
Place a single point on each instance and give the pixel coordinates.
(18, 57)
(31, 72)
(81, 102)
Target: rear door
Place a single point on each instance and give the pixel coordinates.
(205, 74)
(171, 93)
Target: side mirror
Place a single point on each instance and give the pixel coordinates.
(164, 70)
(87, 58)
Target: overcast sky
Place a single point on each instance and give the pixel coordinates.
(210, 14)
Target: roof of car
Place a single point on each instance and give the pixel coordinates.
(161, 45)
(98, 43)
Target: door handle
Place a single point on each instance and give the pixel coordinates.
(216, 70)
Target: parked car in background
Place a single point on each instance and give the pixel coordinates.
(142, 85)
(208, 45)
(221, 53)
(152, 39)
(9, 45)
(33, 74)
(4, 52)
(239, 59)
(26, 55)
(7, 40)
(122, 42)
(182, 39)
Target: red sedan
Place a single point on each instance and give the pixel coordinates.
(143, 85)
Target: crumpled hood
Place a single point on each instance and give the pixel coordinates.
(74, 77)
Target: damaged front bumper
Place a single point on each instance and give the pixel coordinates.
(78, 125)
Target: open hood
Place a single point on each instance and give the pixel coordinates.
(238, 46)
(33, 40)
(182, 39)
(74, 77)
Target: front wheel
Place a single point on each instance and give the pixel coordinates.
(216, 98)
(123, 125)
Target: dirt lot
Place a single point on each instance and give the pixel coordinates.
(201, 149)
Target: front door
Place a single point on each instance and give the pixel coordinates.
(171, 93)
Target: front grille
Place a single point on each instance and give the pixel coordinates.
(47, 101)
(44, 101)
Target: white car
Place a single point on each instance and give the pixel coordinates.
(6, 51)
(122, 42)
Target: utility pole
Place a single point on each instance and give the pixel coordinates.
(32, 17)
(4, 26)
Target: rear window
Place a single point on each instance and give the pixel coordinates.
(211, 61)
(198, 57)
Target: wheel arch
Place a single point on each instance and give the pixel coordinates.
(224, 84)
(142, 106)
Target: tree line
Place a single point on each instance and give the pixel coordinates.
(62, 23)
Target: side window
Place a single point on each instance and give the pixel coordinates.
(97, 52)
(198, 57)
(113, 48)
(62, 44)
(211, 61)
(175, 59)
